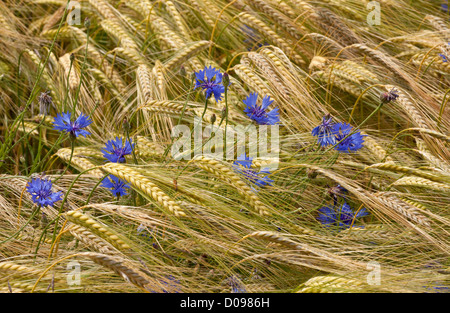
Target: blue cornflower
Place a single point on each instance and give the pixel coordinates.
(116, 150)
(258, 112)
(326, 132)
(353, 142)
(444, 7)
(243, 166)
(63, 123)
(445, 55)
(210, 79)
(343, 217)
(41, 192)
(117, 186)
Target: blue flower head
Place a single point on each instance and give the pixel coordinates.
(326, 132)
(115, 150)
(243, 166)
(342, 218)
(41, 192)
(116, 185)
(352, 143)
(445, 55)
(63, 123)
(444, 7)
(259, 113)
(210, 79)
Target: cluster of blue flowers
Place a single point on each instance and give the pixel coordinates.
(210, 80)
(340, 135)
(115, 151)
(339, 216)
(342, 217)
(243, 166)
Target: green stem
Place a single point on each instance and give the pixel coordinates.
(27, 222)
(195, 127)
(93, 189)
(4, 151)
(72, 147)
(83, 69)
(166, 152)
(65, 198)
(50, 151)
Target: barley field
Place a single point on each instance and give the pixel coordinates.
(118, 173)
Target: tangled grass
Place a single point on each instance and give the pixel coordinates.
(197, 226)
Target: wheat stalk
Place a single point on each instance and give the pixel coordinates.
(186, 53)
(113, 28)
(102, 231)
(92, 240)
(434, 160)
(406, 104)
(421, 182)
(334, 26)
(269, 72)
(402, 207)
(18, 269)
(254, 81)
(270, 34)
(79, 162)
(104, 8)
(278, 17)
(179, 22)
(142, 183)
(376, 149)
(74, 79)
(325, 284)
(121, 267)
(224, 172)
(146, 148)
(411, 171)
(143, 74)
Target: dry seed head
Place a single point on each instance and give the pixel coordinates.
(145, 185)
(79, 162)
(85, 221)
(402, 207)
(227, 174)
(70, 71)
(318, 63)
(121, 267)
(421, 182)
